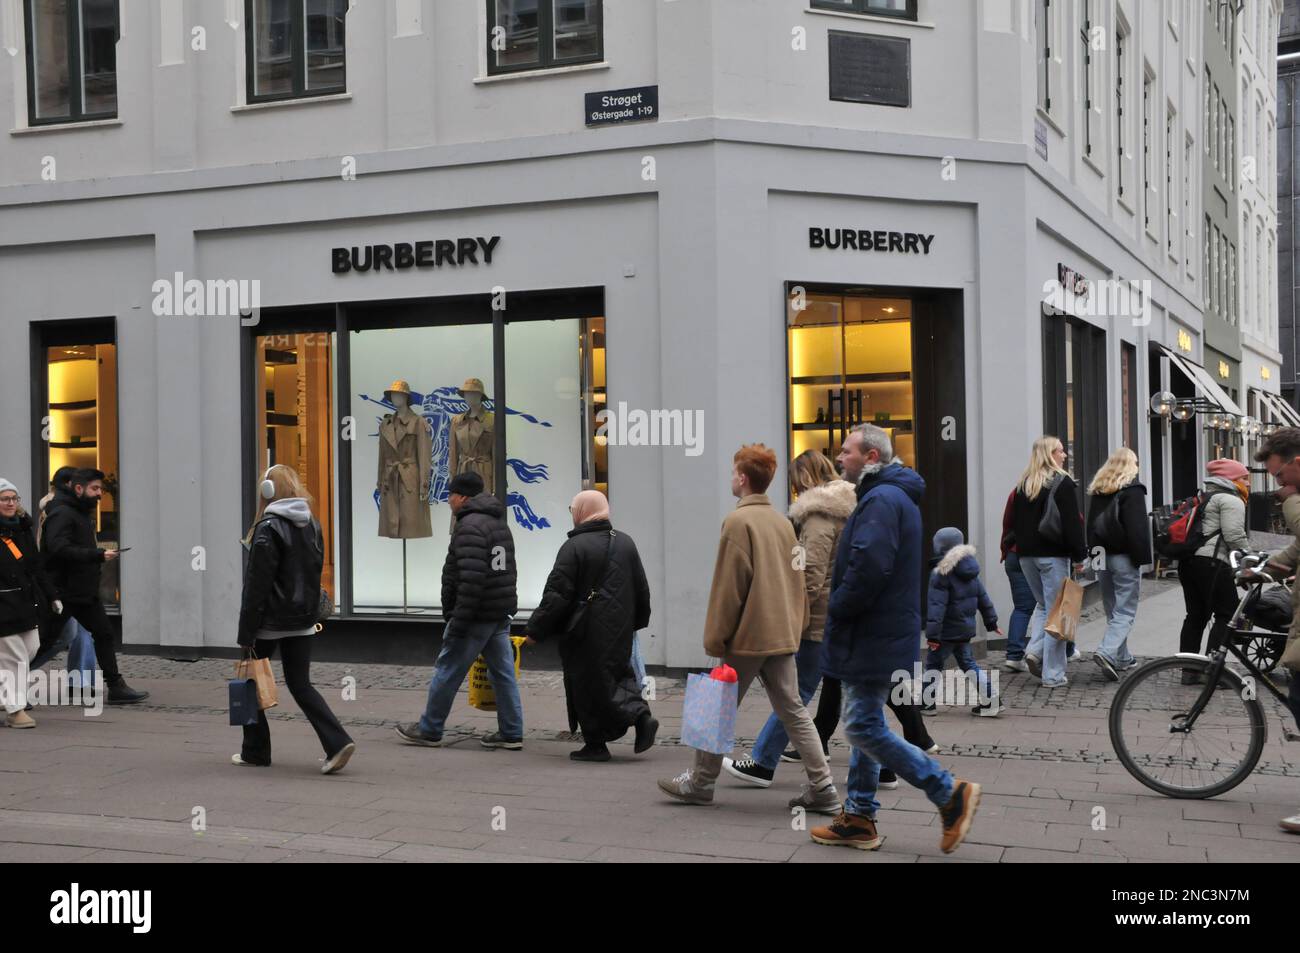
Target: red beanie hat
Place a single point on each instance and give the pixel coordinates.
(1227, 468)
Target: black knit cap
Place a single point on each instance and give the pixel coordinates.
(466, 484)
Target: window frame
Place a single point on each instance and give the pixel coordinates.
(863, 8)
(545, 41)
(76, 75)
(1084, 35)
(297, 58)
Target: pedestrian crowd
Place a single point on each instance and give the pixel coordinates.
(838, 595)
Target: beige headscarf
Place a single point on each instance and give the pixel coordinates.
(589, 505)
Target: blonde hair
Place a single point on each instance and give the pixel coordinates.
(1119, 470)
(810, 469)
(288, 485)
(1042, 468)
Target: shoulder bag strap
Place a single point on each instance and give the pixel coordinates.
(600, 575)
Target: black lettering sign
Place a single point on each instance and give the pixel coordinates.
(864, 239)
(403, 255)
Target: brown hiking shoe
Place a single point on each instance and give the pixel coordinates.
(849, 830)
(20, 719)
(958, 812)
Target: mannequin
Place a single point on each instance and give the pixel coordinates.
(473, 438)
(405, 466)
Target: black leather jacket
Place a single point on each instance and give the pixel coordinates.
(281, 578)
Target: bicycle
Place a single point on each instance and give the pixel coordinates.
(1188, 726)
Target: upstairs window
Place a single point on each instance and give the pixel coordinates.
(295, 48)
(71, 60)
(903, 9)
(541, 34)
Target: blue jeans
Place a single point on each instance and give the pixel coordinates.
(875, 745)
(771, 741)
(461, 645)
(1046, 575)
(1022, 598)
(60, 643)
(961, 651)
(1120, 581)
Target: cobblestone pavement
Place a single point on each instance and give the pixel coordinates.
(128, 785)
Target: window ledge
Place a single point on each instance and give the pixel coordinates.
(538, 73)
(1091, 163)
(302, 101)
(870, 17)
(65, 126)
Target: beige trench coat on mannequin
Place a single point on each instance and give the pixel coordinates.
(405, 466)
(473, 447)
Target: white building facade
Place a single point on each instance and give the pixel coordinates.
(767, 220)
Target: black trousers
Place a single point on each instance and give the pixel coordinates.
(295, 657)
(829, 704)
(95, 620)
(1208, 592)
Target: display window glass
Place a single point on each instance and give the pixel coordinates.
(82, 421)
(850, 362)
(401, 521)
(295, 414)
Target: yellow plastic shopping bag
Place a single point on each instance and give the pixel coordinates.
(481, 695)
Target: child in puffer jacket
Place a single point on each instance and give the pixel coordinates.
(956, 595)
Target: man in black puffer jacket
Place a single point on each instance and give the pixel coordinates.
(73, 560)
(478, 601)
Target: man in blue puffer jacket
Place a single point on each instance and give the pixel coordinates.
(956, 594)
(873, 642)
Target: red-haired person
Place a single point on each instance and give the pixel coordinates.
(756, 616)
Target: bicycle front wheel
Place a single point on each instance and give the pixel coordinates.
(1150, 731)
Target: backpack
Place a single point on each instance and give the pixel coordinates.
(1178, 530)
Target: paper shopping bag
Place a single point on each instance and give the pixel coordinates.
(243, 702)
(259, 670)
(1063, 620)
(709, 714)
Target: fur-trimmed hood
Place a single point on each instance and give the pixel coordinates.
(835, 499)
(961, 561)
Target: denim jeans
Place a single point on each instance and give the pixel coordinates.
(1046, 575)
(771, 741)
(1022, 599)
(461, 645)
(965, 657)
(875, 745)
(1120, 581)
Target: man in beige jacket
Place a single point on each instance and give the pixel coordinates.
(757, 612)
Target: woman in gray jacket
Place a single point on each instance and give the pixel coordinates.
(1206, 577)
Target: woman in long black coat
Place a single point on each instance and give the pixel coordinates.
(596, 598)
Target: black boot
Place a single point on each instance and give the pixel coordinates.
(646, 727)
(590, 753)
(120, 693)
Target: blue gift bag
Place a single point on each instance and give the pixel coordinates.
(709, 714)
(244, 708)
(81, 655)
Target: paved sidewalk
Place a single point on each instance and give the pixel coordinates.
(129, 784)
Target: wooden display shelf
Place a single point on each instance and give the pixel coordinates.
(836, 381)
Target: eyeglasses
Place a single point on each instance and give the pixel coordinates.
(8, 500)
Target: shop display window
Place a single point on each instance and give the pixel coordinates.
(850, 362)
(295, 413)
(82, 421)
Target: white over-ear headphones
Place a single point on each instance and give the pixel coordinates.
(267, 489)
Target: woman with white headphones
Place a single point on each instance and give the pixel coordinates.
(280, 608)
